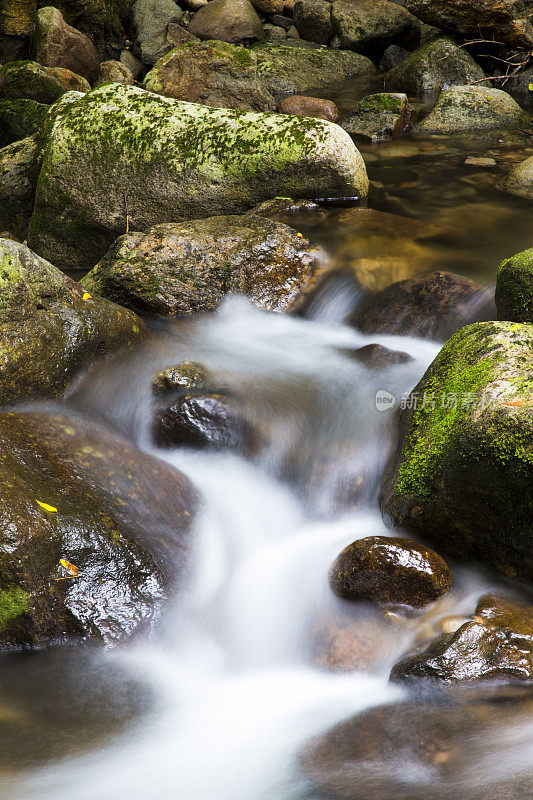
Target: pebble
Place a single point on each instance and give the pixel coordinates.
(472, 161)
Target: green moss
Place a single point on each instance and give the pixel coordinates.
(13, 603)
(379, 103)
(514, 288)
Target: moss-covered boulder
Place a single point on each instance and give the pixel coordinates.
(227, 21)
(462, 476)
(121, 153)
(50, 327)
(514, 288)
(508, 21)
(56, 44)
(437, 64)
(73, 492)
(465, 109)
(213, 73)
(18, 178)
(519, 181)
(379, 117)
(370, 26)
(27, 79)
(497, 643)
(20, 118)
(189, 267)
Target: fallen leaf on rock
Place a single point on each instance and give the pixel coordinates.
(70, 568)
(47, 507)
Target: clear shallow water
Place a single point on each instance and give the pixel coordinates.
(221, 700)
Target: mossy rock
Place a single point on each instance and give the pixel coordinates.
(514, 288)
(181, 378)
(27, 79)
(370, 26)
(122, 154)
(462, 475)
(379, 117)
(19, 168)
(467, 109)
(436, 64)
(50, 327)
(20, 118)
(72, 490)
(17, 17)
(519, 181)
(190, 267)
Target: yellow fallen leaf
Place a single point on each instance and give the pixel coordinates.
(135, 329)
(70, 568)
(87, 296)
(47, 507)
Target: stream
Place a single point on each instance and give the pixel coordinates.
(219, 702)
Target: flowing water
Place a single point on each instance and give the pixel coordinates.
(219, 702)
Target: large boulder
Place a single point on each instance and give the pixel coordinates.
(84, 555)
(189, 267)
(437, 64)
(212, 73)
(20, 118)
(431, 306)
(151, 19)
(519, 181)
(514, 288)
(56, 44)
(50, 327)
(379, 117)
(228, 21)
(31, 81)
(122, 153)
(104, 22)
(312, 19)
(465, 109)
(370, 26)
(18, 178)
(507, 21)
(462, 473)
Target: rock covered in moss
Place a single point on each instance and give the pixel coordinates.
(189, 267)
(227, 21)
(27, 79)
(462, 109)
(389, 570)
(312, 19)
(379, 117)
(514, 288)
(20, 118)
(184, 376)
(370, 26)
(71, 489)
(519, 181)
(508, 21)
(309, 107)
(213, 73)
(433, 306)
(57, 44)
(462, 474)
(151, 19)
(17, 17)
(18, 178)
(50, 327)
(498, 643)
(437, 64)
(171, 160)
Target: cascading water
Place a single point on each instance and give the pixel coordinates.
(236, 689)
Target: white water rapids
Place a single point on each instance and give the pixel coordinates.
(237, 692)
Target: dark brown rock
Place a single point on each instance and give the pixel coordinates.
(228, 21)
(376, 356)
(390, 570)
(312, 19)
(432, 306)
(56, 44)
(309, 107)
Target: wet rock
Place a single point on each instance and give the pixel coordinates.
(151, 19)
(48, 330)
(464, 109)
(393, 55)
(126, 537)
(312, 19)
(461, 476)
(431, 306)
(113, 72)
(309, 107)
(498, 643)
(184, 376)
(20, 118)
(376, 356)
(483, 163)
(56, 44)
(519, 181)
(437, 64)
(389, 570)
(370, 26)
(379, 117)
(189, 267)
(69, 79)
(30, 81)
(212, 73)
(412, 750)
(202, 161)
(508, 21)
(290, 212)
(228, 21)
(292, 70)
(514, 288)
(18, 179)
